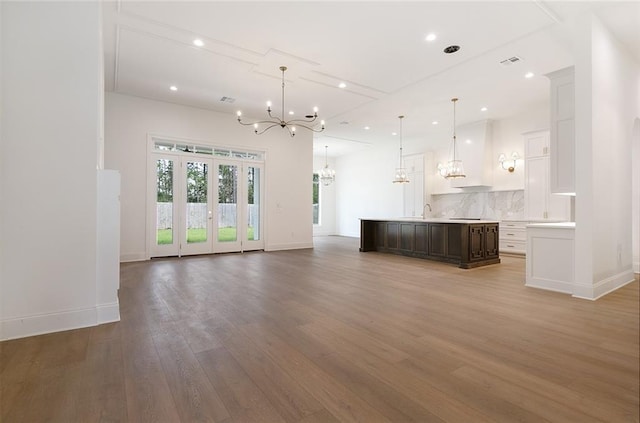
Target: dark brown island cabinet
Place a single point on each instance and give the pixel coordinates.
(468, 243)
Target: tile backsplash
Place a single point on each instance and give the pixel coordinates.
(495, 205)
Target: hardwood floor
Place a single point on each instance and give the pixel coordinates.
(332, 335)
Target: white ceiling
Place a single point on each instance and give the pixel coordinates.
(377, 48)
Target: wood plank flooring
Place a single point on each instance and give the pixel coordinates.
(332, 335)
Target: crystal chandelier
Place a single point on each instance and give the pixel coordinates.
(401, 173)
(279, 121)
(454, 167)
(327, 175)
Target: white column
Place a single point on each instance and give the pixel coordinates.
(51, 81)
(606, 106)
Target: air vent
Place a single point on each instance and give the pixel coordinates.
(510, 61)
(451, 49)
(226, 99)
(344, 122)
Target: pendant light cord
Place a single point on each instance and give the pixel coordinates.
(400, 117)
(454, 128)
(283, 69)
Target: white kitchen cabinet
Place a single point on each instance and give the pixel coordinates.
(550, 256)
(513, 237)
(540, 203)
(562, 142)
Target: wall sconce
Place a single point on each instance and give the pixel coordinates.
(510, 163)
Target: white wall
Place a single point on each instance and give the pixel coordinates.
(327, 224)
(607, 88)
(51, 85)
(635, 208)
(288, 168)
(364, 188)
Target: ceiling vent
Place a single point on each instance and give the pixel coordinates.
(226, 99)
(510, 61)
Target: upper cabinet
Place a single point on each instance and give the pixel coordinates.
(562, 145)
(474, 149)
(539, 203)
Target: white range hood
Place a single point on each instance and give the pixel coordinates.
(474, 148)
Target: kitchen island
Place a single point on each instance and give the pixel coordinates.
(466, 242)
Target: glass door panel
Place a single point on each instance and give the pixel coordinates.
(165, 240)
(227, 237)
(197, 207)
(253, 211)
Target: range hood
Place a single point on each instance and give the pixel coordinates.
(474, 147)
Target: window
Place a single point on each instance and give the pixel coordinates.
(170, 145)
(316, 199)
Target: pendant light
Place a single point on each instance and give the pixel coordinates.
(401, 173)
(327, 175)
(454, 166)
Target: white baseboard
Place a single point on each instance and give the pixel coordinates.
(58, 322)
(324, 233)
(636, 267)
(550, 285)
(125, 258)
(289, 246)
(603, 287)
(108, 313)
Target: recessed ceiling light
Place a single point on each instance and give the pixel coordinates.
(528, 75)
(394, 133)
(366, 128)
(435, 122)
(342, 85)
(430, 37)
(484, 109)
(290, 112)
(468, 141)
(173, 88)
(198, 42)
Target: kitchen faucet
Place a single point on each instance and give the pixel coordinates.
(426, 205)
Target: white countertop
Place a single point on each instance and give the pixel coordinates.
(430, 220)
(524, 219)
(553, 225)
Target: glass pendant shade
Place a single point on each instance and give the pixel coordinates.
(401, 176)
(454, 168)
(401, 173)
(327, 175)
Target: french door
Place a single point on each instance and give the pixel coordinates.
(182, 206)
(204, 205)
(239, 195)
